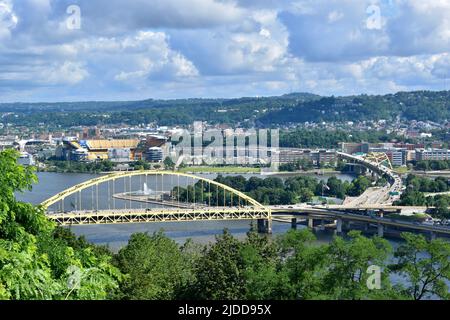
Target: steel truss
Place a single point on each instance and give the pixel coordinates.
(157, 215)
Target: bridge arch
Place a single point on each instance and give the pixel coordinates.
(118, 175)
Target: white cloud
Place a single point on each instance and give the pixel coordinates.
(66, 73)
(8, 19)
(335, 16)
(148, 53)
(180, 48)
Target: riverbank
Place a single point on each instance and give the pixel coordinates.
(318, 172)
(225, 169)
(442, 173)
(101, 168)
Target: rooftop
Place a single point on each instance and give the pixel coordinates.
(112, 144)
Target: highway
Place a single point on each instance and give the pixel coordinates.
(383, 195)
(320, 212)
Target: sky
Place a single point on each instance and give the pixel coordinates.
(83, 50)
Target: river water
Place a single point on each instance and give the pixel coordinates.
(116, 236)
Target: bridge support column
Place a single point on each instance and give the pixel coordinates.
(339, 226)
(269, 226)
(380, 230)
(310, 223)
(366, 227)
(261, 226)
(264, 226)
(432, 235)
(294, 223)
(322, 224)
(346, 225)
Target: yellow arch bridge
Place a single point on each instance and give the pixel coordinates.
(153, 196)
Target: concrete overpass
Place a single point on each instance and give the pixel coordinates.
(326, 213)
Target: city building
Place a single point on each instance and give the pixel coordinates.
(7, 143)
(325, 157)
(432, 154)
(397, 156)
(26, 159)
(317, 157)
(353, 147)
(409, 146)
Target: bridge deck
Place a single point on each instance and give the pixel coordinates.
(157, 215)
(320, 213)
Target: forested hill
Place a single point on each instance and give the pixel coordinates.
(289, 108)
(276, 101)
(419, 105)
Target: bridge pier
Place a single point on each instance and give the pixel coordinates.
(264, 226)
(346, 225)
(294, 223)
(432, 235)
(310, 223)
(339, 226)
(380, 230)
(269, 226)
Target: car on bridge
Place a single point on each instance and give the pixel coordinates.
(429, 222)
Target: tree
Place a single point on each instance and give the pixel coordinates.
(219, 270)
(441, 209)
(425, 265)
(359, 185)
(305, 195)
(169, 164)
(154, 265)
(34, 263)
(348, 262)
(259, 267)
(336, 188)
(413, 198)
